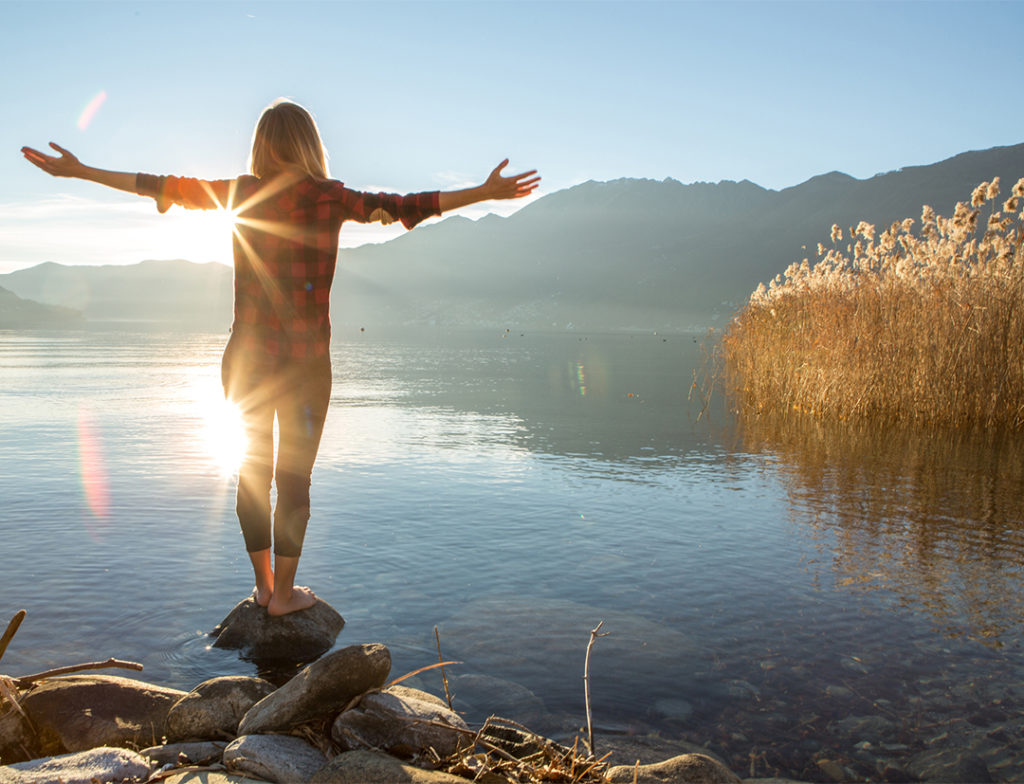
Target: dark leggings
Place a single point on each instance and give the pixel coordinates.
(298, 392)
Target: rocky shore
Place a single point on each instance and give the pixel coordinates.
(341, 718)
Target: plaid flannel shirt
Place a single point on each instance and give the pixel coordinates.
(285, 248)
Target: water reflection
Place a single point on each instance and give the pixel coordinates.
(933, 518)
(617, 402)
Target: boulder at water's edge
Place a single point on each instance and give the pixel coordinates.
(299, 636)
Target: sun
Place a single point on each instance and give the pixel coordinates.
(198, 235)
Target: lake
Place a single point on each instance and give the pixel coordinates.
(786, 593)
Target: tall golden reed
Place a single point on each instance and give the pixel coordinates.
(924, 327)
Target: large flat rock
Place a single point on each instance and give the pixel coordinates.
(95, 766)
(80, 712)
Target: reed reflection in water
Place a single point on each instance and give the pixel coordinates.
(933, 518)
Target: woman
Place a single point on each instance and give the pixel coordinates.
(277, 361)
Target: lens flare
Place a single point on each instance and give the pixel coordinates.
(224, 435)
(93, 471)
(90, 110)
(581, 378)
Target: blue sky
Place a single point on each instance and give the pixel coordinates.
(421, 95)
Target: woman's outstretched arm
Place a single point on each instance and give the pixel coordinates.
(187, 191)
(495, 187)
(67, 165)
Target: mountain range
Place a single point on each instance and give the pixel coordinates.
(625, 254)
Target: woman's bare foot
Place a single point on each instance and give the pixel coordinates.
(264, 576)
(262, 595)
(300, 598)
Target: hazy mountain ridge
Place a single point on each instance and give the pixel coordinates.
(175, 292)
(628, 253)
(19, 313)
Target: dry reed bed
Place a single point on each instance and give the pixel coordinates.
(915, 327)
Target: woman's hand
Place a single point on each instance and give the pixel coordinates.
(67, 165)
(514, 187)
(495, 187)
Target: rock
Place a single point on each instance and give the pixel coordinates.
(299, 636)
(773, 780)
(628, 749)
(84, 767)
(417, 694)
(838, 692)
(399, 724)
(201, 753)
(281, 758)
(210, 777)
(696, 768)
(480, 696)
(949, 765)
(324, 687)
(743, 690)
(854, 664)
(213, 709)
(363, 767)
(673, 708)
(867, 728)
(832, 769)
(17, 741)
(80, 712)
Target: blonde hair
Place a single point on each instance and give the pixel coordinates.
(286, 135)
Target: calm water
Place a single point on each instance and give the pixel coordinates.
(761, 584)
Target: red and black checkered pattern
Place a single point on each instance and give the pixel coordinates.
(285, 249)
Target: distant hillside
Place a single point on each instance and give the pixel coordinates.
(626, 254)
(635, 253)
(174, 293)
(18, 313)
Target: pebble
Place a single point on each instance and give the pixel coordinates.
(673, 708)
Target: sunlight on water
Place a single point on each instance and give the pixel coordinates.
(221, 432)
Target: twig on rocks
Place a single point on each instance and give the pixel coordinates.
(12, 627)
(28, 680)
(9, 693)
(417, 672)
(586, 685)
(444, 678)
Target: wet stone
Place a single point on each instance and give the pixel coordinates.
(838, 692)
(299, 636)
(673, 708)
(949, 765)
(853, 664)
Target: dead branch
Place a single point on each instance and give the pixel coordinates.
(586, 685)
(27, 680)
(12, 627)
(401, 678)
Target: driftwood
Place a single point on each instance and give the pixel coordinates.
(12, 627)
(27, 680)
